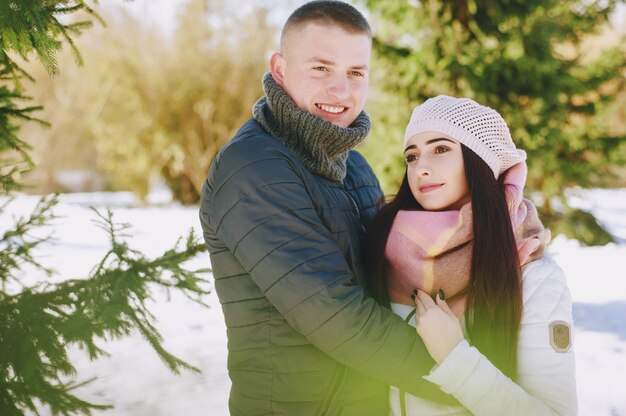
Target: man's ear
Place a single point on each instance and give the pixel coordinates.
(277, 67)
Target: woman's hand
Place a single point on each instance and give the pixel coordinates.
(439, 328)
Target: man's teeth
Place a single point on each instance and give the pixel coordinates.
(331, 109)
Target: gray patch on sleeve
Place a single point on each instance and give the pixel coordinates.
(560, 336)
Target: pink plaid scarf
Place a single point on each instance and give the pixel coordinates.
(431, 250)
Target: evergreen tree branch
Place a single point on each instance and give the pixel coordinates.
(38, 323)
(17, 243)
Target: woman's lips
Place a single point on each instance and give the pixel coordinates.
(430, 187)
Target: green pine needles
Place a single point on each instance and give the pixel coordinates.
(14, 158)
(29, 27)
(34, 26)
(39, 322)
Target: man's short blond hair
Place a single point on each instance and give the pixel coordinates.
(326, 13)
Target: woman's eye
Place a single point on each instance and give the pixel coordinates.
(441, 149)
(410, 158)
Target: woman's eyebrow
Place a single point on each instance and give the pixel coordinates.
(431, 141)
(439, 139)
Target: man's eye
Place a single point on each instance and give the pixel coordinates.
(321, 68)
(358, 73)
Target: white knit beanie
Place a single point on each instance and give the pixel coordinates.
(480, 128)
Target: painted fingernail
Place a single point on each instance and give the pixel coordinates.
(441, 295)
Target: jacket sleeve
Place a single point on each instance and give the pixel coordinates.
(547, 381)
(260, 209)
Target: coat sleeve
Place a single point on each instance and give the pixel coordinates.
(260, 209)
(547, 381)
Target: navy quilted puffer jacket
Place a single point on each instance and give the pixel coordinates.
(285, 244)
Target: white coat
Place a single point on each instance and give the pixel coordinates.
(547, 381)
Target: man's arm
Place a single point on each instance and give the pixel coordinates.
(261, 211)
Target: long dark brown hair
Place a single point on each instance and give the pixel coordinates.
(494, 300)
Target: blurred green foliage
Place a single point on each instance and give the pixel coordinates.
(579, 223)
(147, 106)
(185, 102)
(530, 60)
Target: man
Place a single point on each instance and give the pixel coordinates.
(284, 210)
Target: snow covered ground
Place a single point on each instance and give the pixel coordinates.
(137, 383)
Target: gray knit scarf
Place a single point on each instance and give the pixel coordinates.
(321, 146)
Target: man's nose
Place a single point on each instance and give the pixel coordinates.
(339, 86)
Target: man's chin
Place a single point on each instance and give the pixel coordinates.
(341, 120)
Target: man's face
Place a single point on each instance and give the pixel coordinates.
(324, 70)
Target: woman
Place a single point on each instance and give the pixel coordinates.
(459, 227)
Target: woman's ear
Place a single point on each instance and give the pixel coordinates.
(277, 68)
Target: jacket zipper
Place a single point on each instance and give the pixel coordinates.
(356, 207)
(330, 400)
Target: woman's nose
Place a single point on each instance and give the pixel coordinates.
(421, 168)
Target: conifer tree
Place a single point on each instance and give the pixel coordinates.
(38, 321)
(527, 60)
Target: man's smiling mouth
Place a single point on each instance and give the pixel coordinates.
(331, 108)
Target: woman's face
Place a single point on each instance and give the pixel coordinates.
(436, 171)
